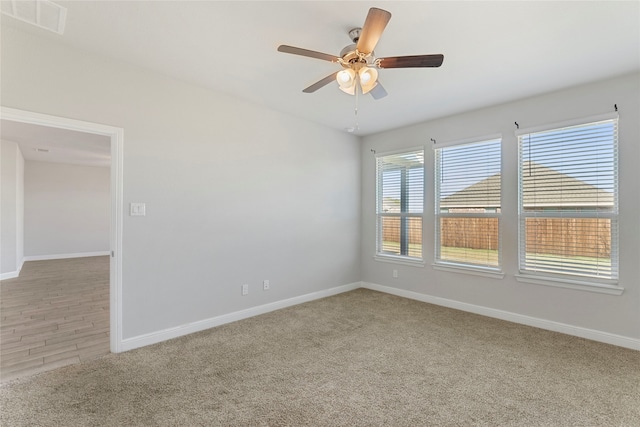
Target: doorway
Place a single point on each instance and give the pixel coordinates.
(115, 136)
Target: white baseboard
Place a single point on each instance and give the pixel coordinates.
(63, 256)
(591, 334)
(167, 334)
(9, 275)
(170, 333)
(12, 274)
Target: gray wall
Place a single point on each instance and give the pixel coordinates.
(67, 209)
(607, 313)
(234, 193)
(12, 210)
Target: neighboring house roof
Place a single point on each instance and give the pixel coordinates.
(485, 194)
(543, 187)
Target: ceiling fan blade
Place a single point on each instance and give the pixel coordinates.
(411, 61)
(374, 25)
(306, 52)
(321, 83)
(378, 91)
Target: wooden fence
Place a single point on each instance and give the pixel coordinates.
(391, 229)
(588, 237)
(556, 236)
(470, 233)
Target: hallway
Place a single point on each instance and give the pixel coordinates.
(55, 314)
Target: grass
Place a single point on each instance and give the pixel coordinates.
(415, 249)
(580, 265)
(472, 256)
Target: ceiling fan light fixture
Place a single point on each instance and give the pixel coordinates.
(368, 78)
(347, 80)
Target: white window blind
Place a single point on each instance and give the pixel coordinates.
(568, 201)
(468, 204)
(400, 204)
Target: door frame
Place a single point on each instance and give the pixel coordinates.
(116, 136)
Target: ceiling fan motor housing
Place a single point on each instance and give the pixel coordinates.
(349, 54)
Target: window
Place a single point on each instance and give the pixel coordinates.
(400, 204)
(568, 201)
(468, 195)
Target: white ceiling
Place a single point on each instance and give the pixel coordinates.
(47, 144)
(495, 51)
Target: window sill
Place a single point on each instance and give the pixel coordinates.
(475, 271)
(579, 285)
(399, 260)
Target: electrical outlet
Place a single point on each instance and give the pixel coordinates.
(265, 285)
(245, 289)
(395, 274)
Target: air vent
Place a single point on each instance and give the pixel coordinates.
(41, 13)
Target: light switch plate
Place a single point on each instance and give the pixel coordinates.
(137, 209)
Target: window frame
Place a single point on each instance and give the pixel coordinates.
(465, 267)
(379, 254)
(560, 279)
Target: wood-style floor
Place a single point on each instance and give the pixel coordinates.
(55, 314)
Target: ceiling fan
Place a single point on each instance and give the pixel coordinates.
(359, 62)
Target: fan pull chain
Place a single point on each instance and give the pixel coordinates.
(357, 125)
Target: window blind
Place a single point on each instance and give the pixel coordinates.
(400, 203)
(568, 201)
(468, 204)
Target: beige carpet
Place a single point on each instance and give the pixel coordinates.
(357, 359)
